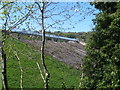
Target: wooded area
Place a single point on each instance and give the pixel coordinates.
(101, 65)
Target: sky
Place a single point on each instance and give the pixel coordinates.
(86, 24)
(83, 25)
(81, 21)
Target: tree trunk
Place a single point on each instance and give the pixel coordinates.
(42, 50)
(4, 75)
(47, 75)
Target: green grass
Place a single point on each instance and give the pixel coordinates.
(0, 72)
(0, 61)
(59, 72)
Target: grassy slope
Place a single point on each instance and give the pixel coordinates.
(59, 72)
(0, 60)
(0, 72)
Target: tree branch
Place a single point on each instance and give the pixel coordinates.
(21, 75)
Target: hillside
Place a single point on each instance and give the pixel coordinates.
(60, 73)
(70, 52)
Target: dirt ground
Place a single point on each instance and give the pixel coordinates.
(68, 52)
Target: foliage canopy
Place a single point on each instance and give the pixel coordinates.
(101, 66)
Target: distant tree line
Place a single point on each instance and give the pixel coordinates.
(83, 36)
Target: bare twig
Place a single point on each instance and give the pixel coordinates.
(81, 76)
(40, 72)
(6, 5)
(24, 18)
(21, 75)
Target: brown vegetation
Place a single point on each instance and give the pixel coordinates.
(68, 52)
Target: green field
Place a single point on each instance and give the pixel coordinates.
(60, 74)
(0, 61)
(0, 72)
